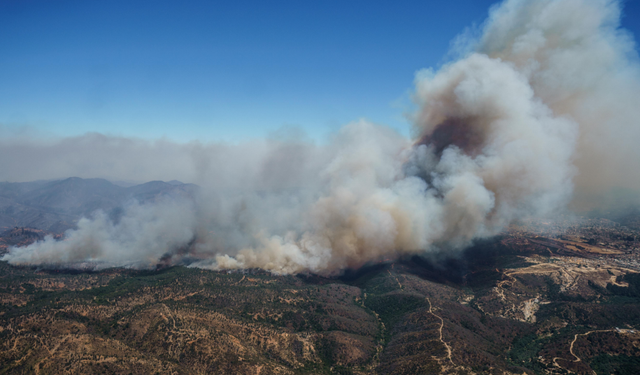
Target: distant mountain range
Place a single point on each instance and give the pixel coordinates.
(57, 205)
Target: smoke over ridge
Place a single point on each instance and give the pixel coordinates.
(543, 99)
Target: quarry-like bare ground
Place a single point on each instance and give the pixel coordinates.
(532, 301)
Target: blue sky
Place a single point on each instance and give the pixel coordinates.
(213, 70)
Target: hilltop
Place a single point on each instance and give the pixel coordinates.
(542, 298)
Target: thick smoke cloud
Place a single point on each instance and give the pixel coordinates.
(583, 66)
(502, 133)
(136, 240)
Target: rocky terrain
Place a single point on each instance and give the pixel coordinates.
(547, 297)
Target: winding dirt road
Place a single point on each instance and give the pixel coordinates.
(449, 351)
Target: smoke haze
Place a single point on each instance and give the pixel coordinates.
(542, 103)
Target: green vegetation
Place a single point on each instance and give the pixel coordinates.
(524, 352)
(398, 318)
(617, 365)
(393, 306)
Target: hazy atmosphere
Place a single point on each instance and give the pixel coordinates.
(520, 112)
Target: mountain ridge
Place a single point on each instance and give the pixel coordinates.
(57, 205)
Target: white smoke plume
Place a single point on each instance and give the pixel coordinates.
(542, 100)
(583, 66)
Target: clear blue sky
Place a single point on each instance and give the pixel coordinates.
(221, 70)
